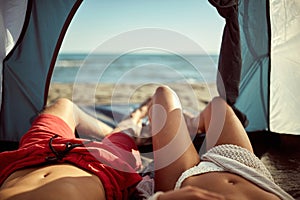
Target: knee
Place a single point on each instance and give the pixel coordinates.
(163, 90)
(216, 101)
(221, 103)
(167, 98)
(63, 102)
(60, 105)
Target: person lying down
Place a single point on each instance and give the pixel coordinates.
(51, 163)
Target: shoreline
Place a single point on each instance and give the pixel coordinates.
(193, 96)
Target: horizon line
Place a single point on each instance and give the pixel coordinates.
(140, 53)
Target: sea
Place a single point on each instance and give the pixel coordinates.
(134, 68)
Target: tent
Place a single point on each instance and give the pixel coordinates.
(31, 34)
(258, 61)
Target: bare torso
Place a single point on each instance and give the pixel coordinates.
(62, 181)
(67, 181)
(230, 185)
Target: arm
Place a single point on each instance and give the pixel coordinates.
(187, 193)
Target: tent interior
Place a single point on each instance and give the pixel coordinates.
(259, 68)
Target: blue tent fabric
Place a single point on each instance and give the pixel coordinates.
(244, 60)
(259, 63)
(255, 45)
(28, 68)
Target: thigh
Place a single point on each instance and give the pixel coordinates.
(173, 148)
(224, 127)
(65, 110)
(44, 127)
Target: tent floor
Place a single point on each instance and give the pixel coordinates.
(281, 156)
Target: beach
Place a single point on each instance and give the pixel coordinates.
(193, 96)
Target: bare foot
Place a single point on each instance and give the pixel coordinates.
(133, 124)
(141, 112)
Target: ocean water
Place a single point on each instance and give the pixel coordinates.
(135, 68)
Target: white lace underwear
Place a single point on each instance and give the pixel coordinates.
(201, 168)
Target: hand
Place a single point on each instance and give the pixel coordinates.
(190, 193)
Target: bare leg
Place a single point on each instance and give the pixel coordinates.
(77, 119)
(222, 126)
(87, 125)
(172, 145)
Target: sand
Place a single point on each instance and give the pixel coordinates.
(193, 96)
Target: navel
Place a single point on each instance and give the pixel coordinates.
(47, 174)
(231, 181)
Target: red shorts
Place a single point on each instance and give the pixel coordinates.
(113, 160)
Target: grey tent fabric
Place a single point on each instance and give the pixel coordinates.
(27, 69)
(230, 55)
(12, 15)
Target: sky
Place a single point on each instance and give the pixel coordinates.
(98, 26)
